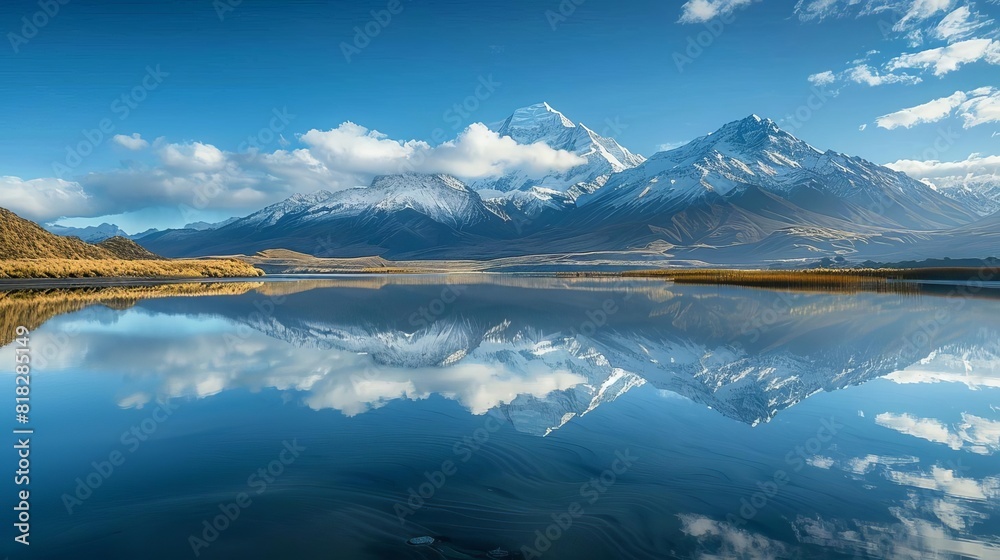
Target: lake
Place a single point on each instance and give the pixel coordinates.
(555, 418)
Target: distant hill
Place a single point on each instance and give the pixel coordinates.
(125, 248)
(24, 239)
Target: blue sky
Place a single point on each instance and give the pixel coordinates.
(213, 81)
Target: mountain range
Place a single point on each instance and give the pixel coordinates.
(749, 192)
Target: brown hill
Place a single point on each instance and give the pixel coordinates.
(125, 248)
(24, 239)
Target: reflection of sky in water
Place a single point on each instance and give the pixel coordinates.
(378, 401)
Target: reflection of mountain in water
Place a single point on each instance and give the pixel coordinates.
(745, 353)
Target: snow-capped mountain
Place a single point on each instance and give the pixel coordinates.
(754, 153)
(409, 211)
(201, 226)
(90, 234)
(980, 194)
(747, 193)
(542, 123)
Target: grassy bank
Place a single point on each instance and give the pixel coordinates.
(854, 278)
(116, 268)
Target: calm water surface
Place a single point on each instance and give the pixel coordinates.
(552, 418)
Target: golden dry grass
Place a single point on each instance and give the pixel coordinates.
(115, 268)
(852, 279)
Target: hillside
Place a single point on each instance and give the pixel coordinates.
(28, 251)
(125, 248)
(24, 239)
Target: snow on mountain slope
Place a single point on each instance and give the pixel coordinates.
(979, 194)
(272, 214)
(542, 123)
(755, 152)
(90, 234)
(441, 198)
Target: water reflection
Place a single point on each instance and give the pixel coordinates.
(907, 477)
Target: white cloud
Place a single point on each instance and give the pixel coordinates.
(820, 461)
(974, 166)
(976, 107)
(949, 58)
(721, 539)
(42, 200)
(909, 12)
(864, 74)
(192, 157)
(822, 78)
(700, 11)
(862, 127)
(477, 152)
(921, 10)
(945, 480)
(983, 107)
(133, 142)
(202, 176)
(931, 111)
(923, 428)
(975, 434)
(818, 10)
(959, 24)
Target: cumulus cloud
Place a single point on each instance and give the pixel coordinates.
(701, 11)
(822, 78)
(192, 157)
(202, 176)
(949, 58)
(42, 200)
(477, 152)
(134, 142)
(975, 165)
(864, 74)
(976, 107)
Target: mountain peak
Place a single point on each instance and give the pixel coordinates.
(529, 124)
